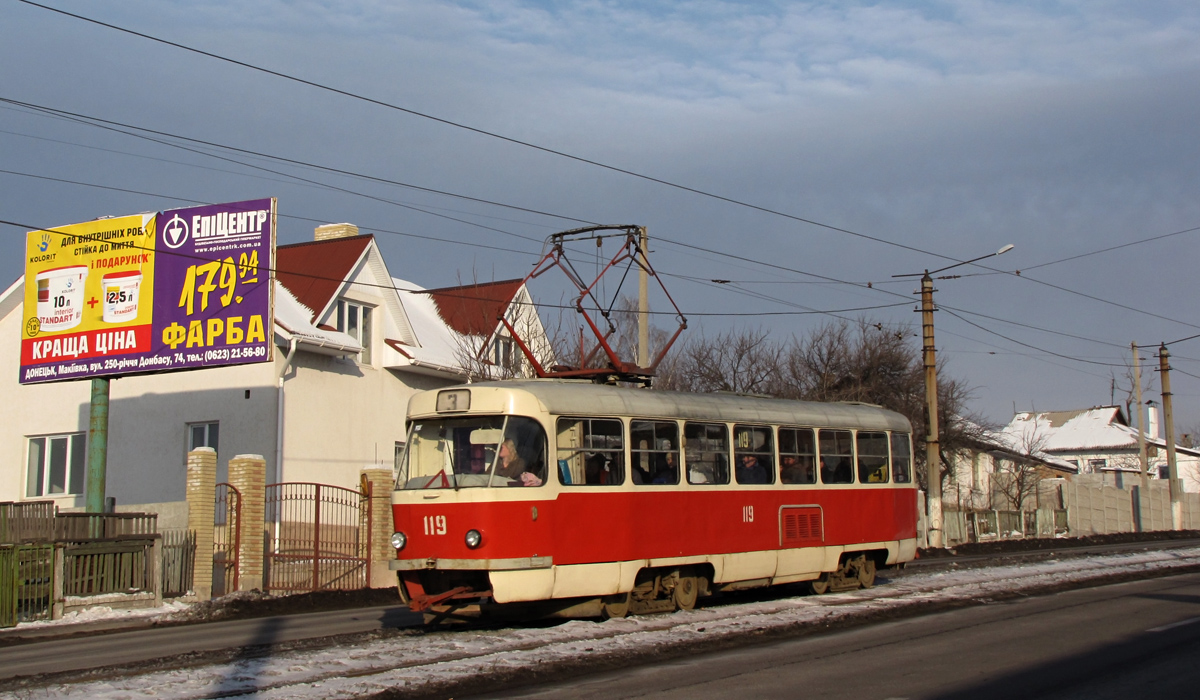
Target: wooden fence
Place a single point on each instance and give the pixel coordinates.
(49, 560)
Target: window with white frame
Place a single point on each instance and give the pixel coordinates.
(503, 351)
(355, 321)
(56, 465)
(204, 435)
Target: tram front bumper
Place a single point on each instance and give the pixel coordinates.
(472, 564)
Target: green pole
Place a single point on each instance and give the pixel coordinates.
(97, 468)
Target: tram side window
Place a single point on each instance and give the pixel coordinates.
(706, 446)
(901, 458)
(591, 452)
(872, 457)
(837, 456)
(797, 456)
(654, 450)
(754, 454)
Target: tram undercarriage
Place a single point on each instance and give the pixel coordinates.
(461, 596)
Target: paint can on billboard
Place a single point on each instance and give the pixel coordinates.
(60, 297)
(121, 295)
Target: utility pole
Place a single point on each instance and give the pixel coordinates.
(933, 457)
(933, 453)
(97, 466)
(643, 352)
(1144, 488)
(1169, 419)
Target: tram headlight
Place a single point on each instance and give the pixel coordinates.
(473, 539)
(399, 539)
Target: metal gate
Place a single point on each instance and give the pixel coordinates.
(26, 582)
(318, 537)
(227, 538)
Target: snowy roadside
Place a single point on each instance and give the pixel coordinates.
(424, 663)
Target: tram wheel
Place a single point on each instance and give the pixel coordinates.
(615, 606)
(819, 586)
(866, 572)
(685, 592)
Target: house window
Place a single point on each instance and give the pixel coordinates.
(56, 465)
(355, 321)
(1097, 464)
(1164, 471)
(502, 352)
(203, 435)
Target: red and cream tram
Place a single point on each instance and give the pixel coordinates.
(607, 500)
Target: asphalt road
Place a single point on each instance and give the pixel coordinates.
(144, 645)
(1139, 639)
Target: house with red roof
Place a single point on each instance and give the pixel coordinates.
(352, 345)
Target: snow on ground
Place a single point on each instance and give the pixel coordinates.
(103, 613)
(426, 660)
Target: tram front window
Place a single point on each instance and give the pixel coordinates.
(474, 451)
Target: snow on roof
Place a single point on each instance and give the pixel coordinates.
(441, 346)
(1010, 443)
(1090, 429)
(296, 319)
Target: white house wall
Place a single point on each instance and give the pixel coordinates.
(342, 416)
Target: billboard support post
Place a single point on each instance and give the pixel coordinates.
(97, 463)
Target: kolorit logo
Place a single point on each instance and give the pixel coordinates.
(175, 233)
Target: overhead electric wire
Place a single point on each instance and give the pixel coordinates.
(100, 122)
(555, 152)
(1032, 327)
(235, 172)
(89, 119)
(284, 216)
(298, 177)
(483, 132)
(1032, 347)
(1096, 252)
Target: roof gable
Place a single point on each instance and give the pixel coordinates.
(475, 309)
(315, 272)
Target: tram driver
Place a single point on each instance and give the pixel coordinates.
(513, 467)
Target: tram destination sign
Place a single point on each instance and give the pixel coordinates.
(180, 289)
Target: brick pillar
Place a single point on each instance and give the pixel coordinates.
(381, 527)
(201, 493)
(248, 474)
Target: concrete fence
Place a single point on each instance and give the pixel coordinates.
(1088, 504)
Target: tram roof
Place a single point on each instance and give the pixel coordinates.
(567, 397)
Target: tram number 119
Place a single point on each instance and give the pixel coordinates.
(747, 514)
(435, 524)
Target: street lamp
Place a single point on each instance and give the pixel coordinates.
(933, 459)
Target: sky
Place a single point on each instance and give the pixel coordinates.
(844, 143)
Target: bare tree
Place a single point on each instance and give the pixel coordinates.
(1017, 476)
(744, 362)
(838, 361)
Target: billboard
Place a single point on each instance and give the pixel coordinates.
(183, 289)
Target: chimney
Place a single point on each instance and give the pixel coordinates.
(328, 231)
(1152, 422)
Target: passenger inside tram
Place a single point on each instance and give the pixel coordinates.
(750, 471)
(795, 469)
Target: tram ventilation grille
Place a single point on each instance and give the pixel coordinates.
(800, 526)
